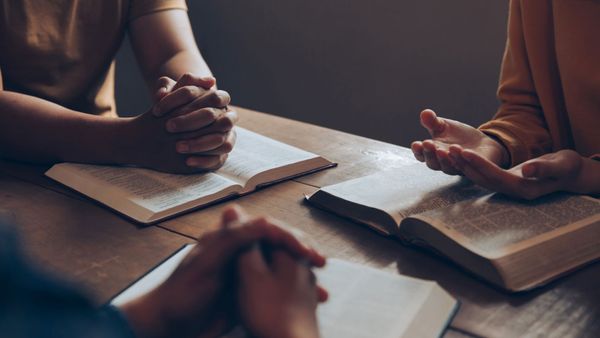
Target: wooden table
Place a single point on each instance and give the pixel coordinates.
(81, 240)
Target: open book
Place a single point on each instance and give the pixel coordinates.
(363, 302)
(148, 196)
(514, 244)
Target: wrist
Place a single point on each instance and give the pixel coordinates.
(145, 317)
(124, 141)
(94, 139)
(502, 154)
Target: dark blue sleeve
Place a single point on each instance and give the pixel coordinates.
(33, 304)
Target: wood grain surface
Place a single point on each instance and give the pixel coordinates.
(82, 241)
(74, 236)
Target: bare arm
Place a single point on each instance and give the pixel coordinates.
(164, 45)
(39, 131)
(36, 130)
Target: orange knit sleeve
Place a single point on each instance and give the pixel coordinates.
(519, 123)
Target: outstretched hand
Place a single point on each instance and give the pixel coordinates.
(564, 170)
(445, 133)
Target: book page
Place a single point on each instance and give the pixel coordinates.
(405, 191)
(154, 191)
(495, 222)
(254, 154)
(365, 302)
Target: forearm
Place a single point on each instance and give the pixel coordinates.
(185, 61)
(165, 46)
(39, 131)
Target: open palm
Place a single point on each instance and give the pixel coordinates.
(446, 133)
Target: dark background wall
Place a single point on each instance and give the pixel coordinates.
(363, 66)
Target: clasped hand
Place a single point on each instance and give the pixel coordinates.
(226, 280)
(188, 130)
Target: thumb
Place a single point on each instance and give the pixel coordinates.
(432, 123)
(189, 79)
(233, 216)
(544, 168)
(164, 86)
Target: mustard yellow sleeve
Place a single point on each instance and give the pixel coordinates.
(143, 7)
(519, 123)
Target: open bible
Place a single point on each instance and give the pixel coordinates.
(363, 302)
(514, 244)
(148, 196)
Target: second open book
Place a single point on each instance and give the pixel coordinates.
(149, 196)
(514, 244)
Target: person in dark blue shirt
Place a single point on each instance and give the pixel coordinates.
(225, 281)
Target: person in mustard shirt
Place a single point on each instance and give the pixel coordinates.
(57, 74)
(545, 136)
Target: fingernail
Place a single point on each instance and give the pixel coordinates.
(171, 126)
(207, 78)
(183, 147)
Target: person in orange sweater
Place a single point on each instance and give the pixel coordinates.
(544, 137)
